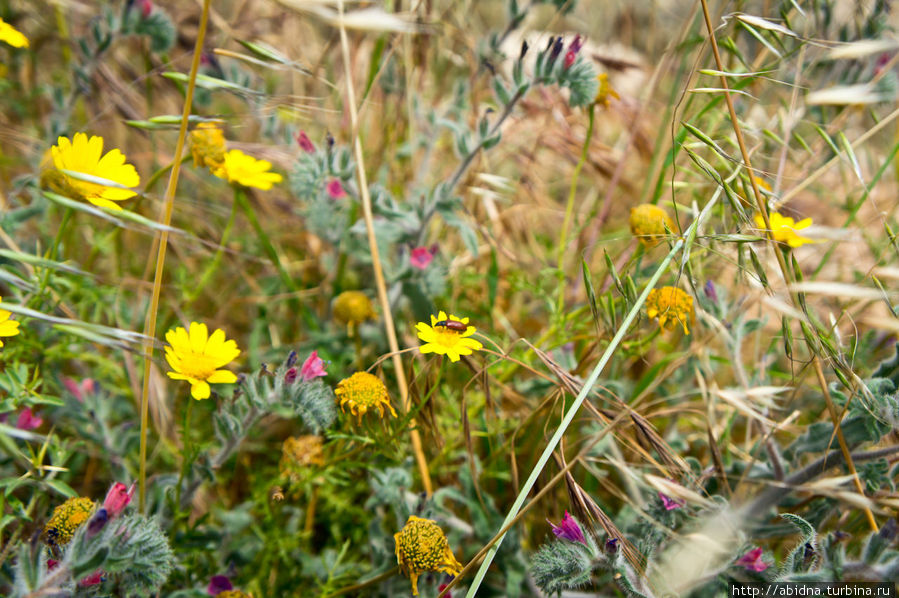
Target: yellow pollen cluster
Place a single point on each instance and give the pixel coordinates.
(421, 546)
(67, 518)
(670, 305)
(362, 392)
(207, 146)
(353, 307)
(648, 223)
(300, 451)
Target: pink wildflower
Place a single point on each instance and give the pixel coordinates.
(95, 578)
(146, 7)
(568, 529)
(117, 498)
(313, 367)
(304, 142)
(80, 389)
(421, 257)
(752, 560)
(335, 189)
(28, 420)
(670, 503)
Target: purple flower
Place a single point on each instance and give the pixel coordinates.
(612, 545)
(670, 503)
(421, 258)
(313, 367)
(752, 560)
(28, 420)
(335, 189)
(218, 584)
(568, 529)
(304, 142)
(573, 49)
(710, 291)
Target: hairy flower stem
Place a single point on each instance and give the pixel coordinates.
(381, 285)
(168, 207)
(796, 297)
(588, 386)
(569, 208)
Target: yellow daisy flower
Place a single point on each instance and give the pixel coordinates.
(784, 229)
(670, 305)
(66, 518)
(195, 356)
(648, 223)
(247, 171)
(445, 338)
(84, 156)
(8, 327)
(363, 391)
(421, 546)
(12, 36)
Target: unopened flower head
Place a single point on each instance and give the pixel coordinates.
(8, 326)
(66, 519)
(650, 223)
(85, 156)
(207, 146)
(117, 498)
(421, 546)
(218, 584)
(670, 305)
(353, 308)
(196, 356)
(448, 335)
(12, 36)
(335, 189)
(305, 143)
(248, 171)
(28, 420)
(785, 230)
(363, 392)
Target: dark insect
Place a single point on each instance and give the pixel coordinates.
(452, 325)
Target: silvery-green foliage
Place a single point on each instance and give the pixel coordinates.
(563, 565)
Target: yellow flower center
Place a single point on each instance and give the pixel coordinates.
(207, 146)
(422, 546)
(67, 518)
(198, 365)
(648, 223)
(353, 307)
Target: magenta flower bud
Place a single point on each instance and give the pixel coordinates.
(117, 499)
(752, 560)
(218, 584)
(335, 189)
(80, 389)
(146, 7)
(291, 376)
(313, 367)
(421, 257)
(305, 143)
(670, 503)
(28, 420)
(570, 57)
(95, 578)
(569, 529)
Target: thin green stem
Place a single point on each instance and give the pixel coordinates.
(213, 266)
(585, 391)
(168, 208)
(569, 208)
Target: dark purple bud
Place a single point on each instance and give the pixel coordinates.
(97, 522)
(218, 584)
(330, 141)
(710, 291)
(612, 545)
(291, 376)
(889, 530)
(292, 359)
(524, 50)
(576, 44)
(556, 50)
(552, 40)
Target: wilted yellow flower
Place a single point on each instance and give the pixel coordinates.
(448, 335)
(605, 91)
(12, 36)
(648, 223)
(247, 171)
(298, 452)
(670, 305)
(66, 518)
(362, 392)
(84, 156)
(421, 546)
(8, 327)
(783, 229)
(195, 356)
(207, 146)
(353, 307)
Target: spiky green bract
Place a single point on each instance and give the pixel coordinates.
(563, 565)
(265, 392)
